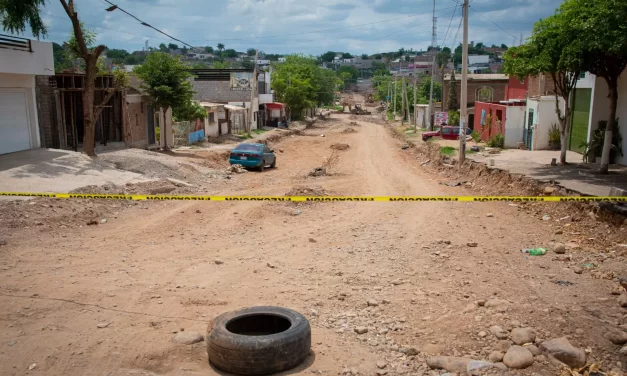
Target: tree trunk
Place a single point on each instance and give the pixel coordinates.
(611, 126)
(89, 129)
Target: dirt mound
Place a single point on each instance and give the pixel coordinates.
(349, 130)
(311, 190)
(157, 187)
(340, 146)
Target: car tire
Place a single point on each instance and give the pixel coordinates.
(263, 166)
(273, 165)
(258, 354)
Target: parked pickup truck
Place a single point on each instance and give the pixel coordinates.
(447, 132)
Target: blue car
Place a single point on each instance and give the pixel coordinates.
(253, 156)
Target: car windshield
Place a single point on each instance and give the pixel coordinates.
(247, 147)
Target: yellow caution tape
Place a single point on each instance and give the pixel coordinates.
(313, 198)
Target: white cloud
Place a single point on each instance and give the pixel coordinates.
(305, 26)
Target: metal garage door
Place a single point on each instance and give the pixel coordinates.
(14, 124)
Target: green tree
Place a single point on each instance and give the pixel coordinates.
(117, 55)
(230, 53)
(424, 90)
(301, 84)
(251, 52)
(346, 55)
(328, 56)
(165, 79)
(62, 60)
(163, 47)
(220, 48)
(365, 56)
(17, 15)
(552, 49)
(221, 65)
(443, 57)
(352, 73)
(184, 50)
(479, 45)
(248, 64)
(453, 103)
(378, 56)
(504, 46)
(600, 27)
(189, 111)
(209, 49)
(173, 46)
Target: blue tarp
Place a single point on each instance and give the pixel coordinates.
(196, 136)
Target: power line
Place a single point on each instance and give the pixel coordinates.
(450, 23)
(115, 7)
(497, 25)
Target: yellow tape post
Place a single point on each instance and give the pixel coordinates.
(313, 198)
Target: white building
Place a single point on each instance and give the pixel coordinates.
(21, 60)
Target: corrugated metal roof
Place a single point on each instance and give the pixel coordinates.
(479, 76)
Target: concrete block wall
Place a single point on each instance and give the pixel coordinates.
(218, 92)
(136, 127)
(46, 113)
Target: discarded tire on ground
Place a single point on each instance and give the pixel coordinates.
(258, 340)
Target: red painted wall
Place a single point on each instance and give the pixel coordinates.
(516, 89)
(498, 127)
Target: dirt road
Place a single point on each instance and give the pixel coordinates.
(94, 300)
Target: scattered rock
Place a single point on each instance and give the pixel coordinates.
(477, 367)
(622, 300)
(103, 221)
(546, 217)
(563, 351)
(578, 270)
(372, 303)
(340, 146)
(549, 190)
(534, 350)
(32, 366)
(482, 334)
(481, 302)
(361, 330)
(496, 356)
(103, 325)
(381, 364)
(489, 215)
(623, 351)
(236, 168)
(617, 337)
(11, 343)
(449, 363)
(496, 303)
(3, 242)
(518, 357)
(187, 338)
(512, 324)
(92, 222)
(312, 240)
(498, 332)
(472, 244)
(503, 345)
(521, 336)
(218, 261)
(501, 366)
(559, 248)
(271, 266)
(409, 351)
(559, 232)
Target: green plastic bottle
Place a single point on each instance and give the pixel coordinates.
(534, 251)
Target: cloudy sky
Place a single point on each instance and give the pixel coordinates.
(305, 26)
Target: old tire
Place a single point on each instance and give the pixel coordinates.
(258, 340)
(273, 165)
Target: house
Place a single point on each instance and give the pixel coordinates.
(481, 87)
(282, 59)
(504, 117)
(22, 60)
(215, 122)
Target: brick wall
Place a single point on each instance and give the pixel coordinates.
(137, 122)
(498, 94)
(540, 85)
(218, 92)
(46, 113)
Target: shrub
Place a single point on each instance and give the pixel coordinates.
(496, 141)
(554, 136)
(447, 150)
(476, 137)
(453, 118)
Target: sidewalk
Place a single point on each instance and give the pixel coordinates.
(576, 176)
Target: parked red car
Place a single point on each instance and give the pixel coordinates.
(447, 132)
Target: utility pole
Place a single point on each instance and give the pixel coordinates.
(415, 86)
(463, 118)
(402, 99)
(434, 41)
(253, 89)
(394, 108)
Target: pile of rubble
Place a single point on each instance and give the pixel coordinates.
(236, 168)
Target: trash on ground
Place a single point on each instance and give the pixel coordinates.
(534, 251)
(563, 283)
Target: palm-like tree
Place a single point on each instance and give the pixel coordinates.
(220, 47)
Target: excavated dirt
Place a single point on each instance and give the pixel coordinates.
(384, 285)
(340, 146)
